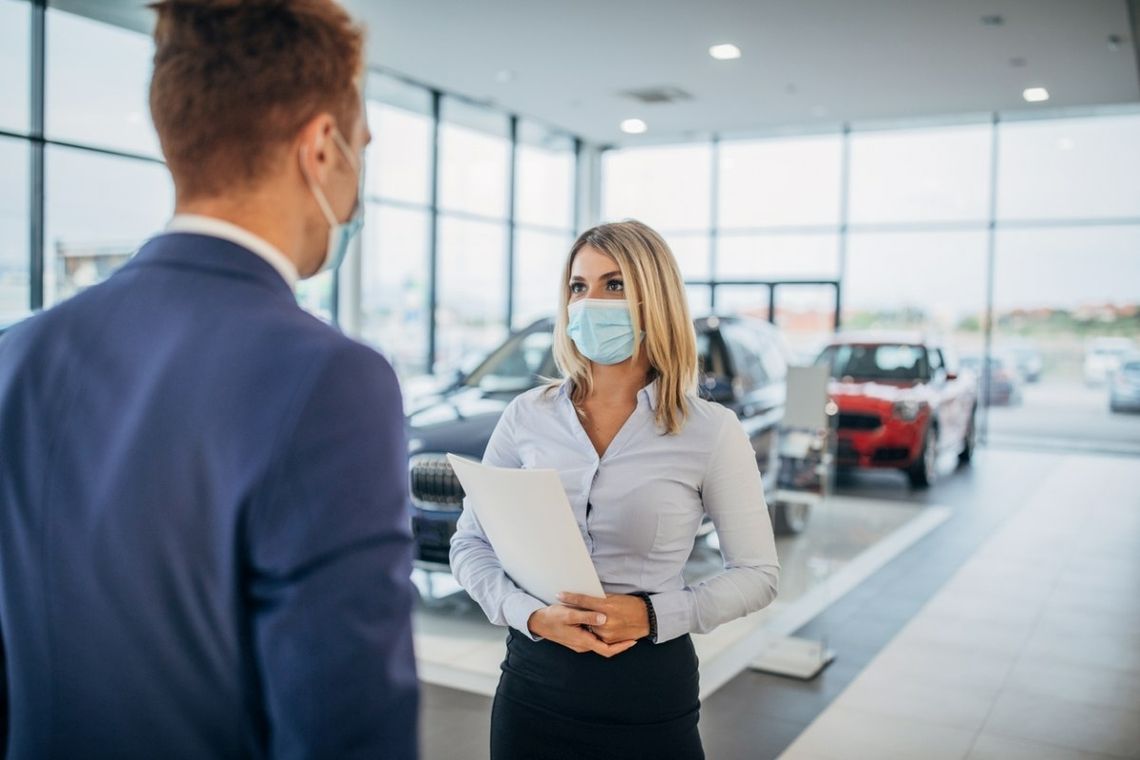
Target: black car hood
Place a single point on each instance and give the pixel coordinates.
(456, 422)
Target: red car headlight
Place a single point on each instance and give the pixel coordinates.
(908, 411)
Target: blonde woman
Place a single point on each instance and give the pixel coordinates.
(642, 459)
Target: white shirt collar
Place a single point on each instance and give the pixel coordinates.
(208, 225)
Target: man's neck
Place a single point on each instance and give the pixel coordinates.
(254, 217)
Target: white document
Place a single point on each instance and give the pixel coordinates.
(528, 520)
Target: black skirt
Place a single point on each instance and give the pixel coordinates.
(555, 704)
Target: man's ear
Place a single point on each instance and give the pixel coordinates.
(314, 143)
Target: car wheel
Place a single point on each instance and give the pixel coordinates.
(967, 452)
(925, 467)
(789, 519)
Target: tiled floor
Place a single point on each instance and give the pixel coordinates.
(1031, 652)
(1032, 649)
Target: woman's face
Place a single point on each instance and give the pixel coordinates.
(595, 275)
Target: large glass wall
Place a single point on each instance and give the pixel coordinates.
(919, 227)
(437, 232)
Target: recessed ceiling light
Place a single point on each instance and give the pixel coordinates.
(1035, 94)
(504, 76)
(634, 126)
(725, 52)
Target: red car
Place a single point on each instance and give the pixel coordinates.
(902, 404)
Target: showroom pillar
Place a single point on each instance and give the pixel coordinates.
(588, 187)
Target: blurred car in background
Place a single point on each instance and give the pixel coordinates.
(1124, 388)
(743, 366)
(1004, 384)
(1102, 358)
(902, 403)
(1026, 360)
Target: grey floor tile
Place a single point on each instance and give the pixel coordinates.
(1065, 723)
(990, 747)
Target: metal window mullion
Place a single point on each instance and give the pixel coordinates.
(512, 197)
(844, 214)
(433, 232)
(36, 167)
(991, 249)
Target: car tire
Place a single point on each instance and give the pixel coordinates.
(967, 454)
(789, 519)
(924, 470)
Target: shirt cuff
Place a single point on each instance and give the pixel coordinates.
(517, 609)
(674, 611)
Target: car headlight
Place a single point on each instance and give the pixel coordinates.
(908, 411)
(414, 445)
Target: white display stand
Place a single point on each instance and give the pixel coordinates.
(805, 446)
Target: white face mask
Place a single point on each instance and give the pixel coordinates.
(340, 233)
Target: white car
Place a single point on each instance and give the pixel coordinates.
(1103, 357)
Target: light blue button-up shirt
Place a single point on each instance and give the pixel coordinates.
(638, 507)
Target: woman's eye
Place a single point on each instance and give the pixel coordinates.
(577, 287)
(615, 285)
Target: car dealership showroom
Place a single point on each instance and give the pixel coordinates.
(908, 234)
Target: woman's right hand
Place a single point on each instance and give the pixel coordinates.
(565, 625)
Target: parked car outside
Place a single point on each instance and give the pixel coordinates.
(1025, 358)
(902, 403)
(1103, 356)
(1004, 385)
(1124, 389)
(743, 366)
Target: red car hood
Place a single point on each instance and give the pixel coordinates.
(886, 392)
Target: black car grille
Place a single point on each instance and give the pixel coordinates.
(433, 483)
(850, 421)
(889, 454)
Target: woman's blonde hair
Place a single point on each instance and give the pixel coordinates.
(653, 283)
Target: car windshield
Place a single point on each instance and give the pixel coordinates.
(876, 362)
(518, 365)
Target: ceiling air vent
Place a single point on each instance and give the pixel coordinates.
(657, 95)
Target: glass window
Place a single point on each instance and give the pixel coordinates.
(97, 81)
(15, 33)
(805, 315)
(394, 291)
(745, 300)
(474, 155)
(545, 174)
(399, 159)
(933, 175)
(932, 281)
(746, 349)
(539, 259)
(669, 188)
(471, 316)
(315, 295)
(876, 362)
(775, 182)
(14, 273)
(691, 253)
(1069, 168)
(99, 209)
(518, 366)
(700, 300)
(778, 256)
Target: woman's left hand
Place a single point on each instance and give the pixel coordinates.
(626, 616)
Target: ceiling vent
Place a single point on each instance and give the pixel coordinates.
(657, 95)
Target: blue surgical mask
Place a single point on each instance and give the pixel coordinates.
(602, 329)
(340, 233)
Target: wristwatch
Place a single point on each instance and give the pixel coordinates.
(652, 614)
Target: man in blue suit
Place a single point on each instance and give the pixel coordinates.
(204, 545)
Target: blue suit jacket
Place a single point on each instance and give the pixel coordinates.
(204, 542)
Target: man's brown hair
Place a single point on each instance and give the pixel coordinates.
(234, 81)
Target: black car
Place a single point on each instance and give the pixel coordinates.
(743, 366)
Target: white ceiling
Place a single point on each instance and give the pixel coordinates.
(804, 62)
